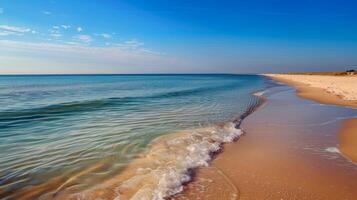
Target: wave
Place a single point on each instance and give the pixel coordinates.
(53, 112)
(161, 170)
(164, 167)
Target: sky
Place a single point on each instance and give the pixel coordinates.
(176, 36)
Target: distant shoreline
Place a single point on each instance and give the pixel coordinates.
(328, 89)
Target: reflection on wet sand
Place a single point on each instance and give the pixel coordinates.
(283, 154)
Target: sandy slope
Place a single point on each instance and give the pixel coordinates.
(343, 86)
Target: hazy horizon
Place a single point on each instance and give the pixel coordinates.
(176, 37)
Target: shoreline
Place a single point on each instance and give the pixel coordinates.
(221, 162)
(347, 137)
(304, 90)
(185, 152)
(282, 156)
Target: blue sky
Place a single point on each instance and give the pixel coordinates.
(142, 36)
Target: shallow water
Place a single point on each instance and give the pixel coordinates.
(73, 132)
(290, 151)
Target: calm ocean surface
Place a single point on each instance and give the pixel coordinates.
(75, 131)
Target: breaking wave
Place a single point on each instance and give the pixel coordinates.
(162, 170)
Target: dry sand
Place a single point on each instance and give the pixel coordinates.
(338, 90)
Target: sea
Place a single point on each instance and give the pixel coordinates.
(116, 136)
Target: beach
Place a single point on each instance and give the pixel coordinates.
(178, 100)
(292, 148)
(115, 136)
(338, 90)
(348, 138)
(181, 137)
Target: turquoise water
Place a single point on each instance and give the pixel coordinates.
(54, 128)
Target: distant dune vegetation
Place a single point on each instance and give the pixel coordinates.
(351, 72)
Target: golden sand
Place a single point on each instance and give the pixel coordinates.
(314, 91)
(262, 166)
(348, 139)
(338, 90)
(270, 162)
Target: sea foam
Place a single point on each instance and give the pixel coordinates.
(333, 150)
(165, 166)
(176, 156)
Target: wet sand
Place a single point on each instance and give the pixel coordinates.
(289, 151)
(348, 139)
(347, 136)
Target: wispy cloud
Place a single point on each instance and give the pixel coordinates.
(73, 54)
(14, 29)
(7, 33)
(1, 11)
(106, 35)
(65, 26)
(130, 44)
(54, 32)
(46, 12)
(83, 38)
(79, 29)
(56, 35)
(72, 47)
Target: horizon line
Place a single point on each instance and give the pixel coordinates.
(108, 74)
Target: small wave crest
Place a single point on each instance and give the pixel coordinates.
(259, 94)
(56, 111)
(167, 163)
(162, 170)
(332, 150)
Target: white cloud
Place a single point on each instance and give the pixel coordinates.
(130, 44)
(79, 29)
(46, 12)
(66, 26)
(106, 35)
(134, 42)
(151, 52)
(72, 54)
(1, 11)
(73, 43)
(55, 32)
(33, 32)
(56, 35)
(14, 29)
(6, 33)
(73, 47)
(84, 38)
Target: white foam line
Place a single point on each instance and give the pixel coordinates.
(333, 150)
(174, 162)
